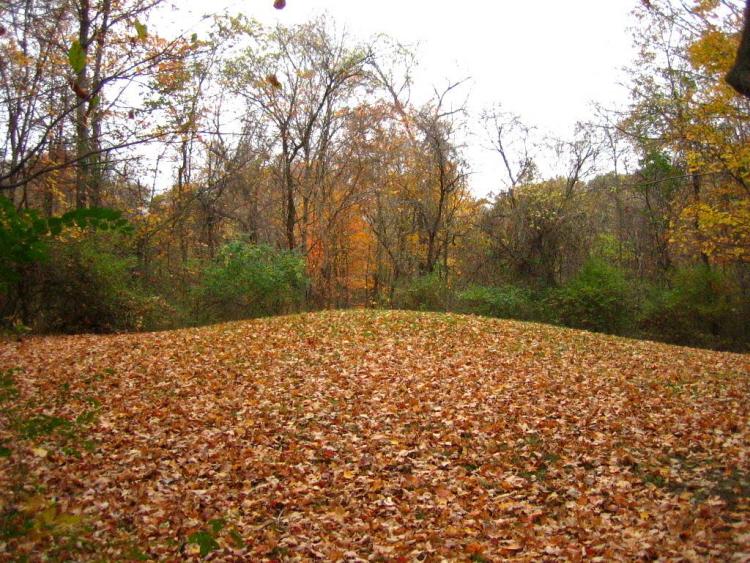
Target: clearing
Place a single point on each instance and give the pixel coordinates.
(375, 435)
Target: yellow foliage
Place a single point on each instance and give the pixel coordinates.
(719, 229)
(713, 52)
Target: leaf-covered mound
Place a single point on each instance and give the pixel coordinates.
(372, 435)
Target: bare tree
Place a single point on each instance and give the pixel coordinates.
(63, 93)
(295, 83)
(511, 139)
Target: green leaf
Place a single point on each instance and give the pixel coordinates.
(136, 554)
(40, 425)
(86, 418)
(205, 540)
(77, 57)
(217, 525)
(141, 30)
(194, 38)
(236, 538)
(55, 225)
(40, 226)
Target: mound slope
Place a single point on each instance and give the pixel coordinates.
(366, 435)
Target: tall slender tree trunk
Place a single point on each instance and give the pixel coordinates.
(83, 87)
(291, 210)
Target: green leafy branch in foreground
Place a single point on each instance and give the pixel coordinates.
(24, 233)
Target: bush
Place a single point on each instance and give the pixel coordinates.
(249, 280)
(425, 293)
(702, 307)
(597, 299)
(88, 285)
(25, 234)
(508, 301)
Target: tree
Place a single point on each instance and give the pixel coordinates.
(444, 175)
(535, 227)
(295, 78)
(684, 109)
(68, 104)
(739, 76)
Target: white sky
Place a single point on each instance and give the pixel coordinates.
(546, 60)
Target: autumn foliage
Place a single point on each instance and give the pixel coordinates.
(156, 184)
(304, 139)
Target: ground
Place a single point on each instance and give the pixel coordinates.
(391, 436)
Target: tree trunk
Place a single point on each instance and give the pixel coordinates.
(83, 135)
(291, 210)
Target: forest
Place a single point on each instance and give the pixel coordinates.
(153, 182)
(257, 304)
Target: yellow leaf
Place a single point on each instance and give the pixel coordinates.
(34, 504)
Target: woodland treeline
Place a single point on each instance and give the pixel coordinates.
(154, 181)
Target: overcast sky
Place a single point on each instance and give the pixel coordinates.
(546, 60)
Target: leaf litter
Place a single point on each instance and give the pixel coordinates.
(372, 435)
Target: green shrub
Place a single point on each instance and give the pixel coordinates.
(507, 301)
(425, 293)
(25, 234)
(597, 299)
(27, 240)
(701, 307)
(88, 285)
(249, 280)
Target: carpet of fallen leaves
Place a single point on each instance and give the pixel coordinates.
(364, 435)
